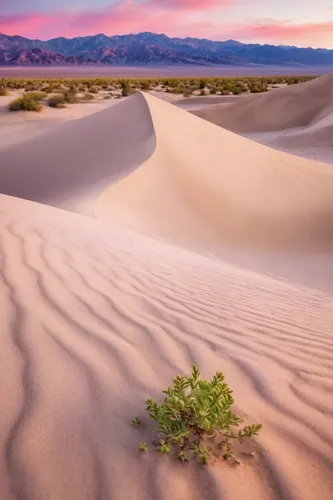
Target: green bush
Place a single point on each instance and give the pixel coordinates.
(195, 419)
(25, 104)
(57, 101)
(36, 95)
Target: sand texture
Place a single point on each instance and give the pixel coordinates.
(98, 313)
(297, 119)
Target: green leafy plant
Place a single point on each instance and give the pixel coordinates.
(195, 419)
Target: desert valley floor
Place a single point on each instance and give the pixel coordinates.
(140, 239)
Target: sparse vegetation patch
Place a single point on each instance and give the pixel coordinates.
(195, 419)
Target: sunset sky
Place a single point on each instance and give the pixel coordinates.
(289, 22)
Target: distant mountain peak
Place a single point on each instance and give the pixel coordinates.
(153, 48)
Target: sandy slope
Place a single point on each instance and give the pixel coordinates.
(94, 321)
(293, 106)
(96, 318)
(206, 185)
(19, 127)
(71, 164)
(296, 119)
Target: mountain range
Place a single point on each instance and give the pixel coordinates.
(151, 48)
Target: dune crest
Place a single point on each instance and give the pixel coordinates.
(204, 183)
(71, 165)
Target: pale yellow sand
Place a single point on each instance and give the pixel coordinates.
(96, 317)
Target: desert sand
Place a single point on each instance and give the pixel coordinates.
(297, 119)
(113, 280)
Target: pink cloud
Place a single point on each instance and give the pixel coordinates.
(124, 17)
(307, 34)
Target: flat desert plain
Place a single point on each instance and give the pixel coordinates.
(140, 239)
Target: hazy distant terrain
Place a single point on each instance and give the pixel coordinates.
(150, 71)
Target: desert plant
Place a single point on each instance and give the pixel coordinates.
(70, 97)
(126, 88)
(36, 95)
(143, 446)
(25, 104)
(195, 419)
(146, 85)
(3, 91)
(57, 101)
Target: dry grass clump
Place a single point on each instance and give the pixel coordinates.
(25, 104)
(57, 101)
(36, 95)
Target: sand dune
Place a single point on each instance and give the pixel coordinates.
(96, 320)
(205, 184)
(70, 165)
(98, 315)
(294, 106)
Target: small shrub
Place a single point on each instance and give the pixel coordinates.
(146, 85)
(195, 419)
(93, 90)
(106, 97)
(202, 85)
(57, 101)
(25, 104)
(36, 95)
(48, 90)
(126, 88)
(176, 90)
(3, 91)
(70, 97)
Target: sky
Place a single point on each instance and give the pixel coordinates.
(304, 23)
